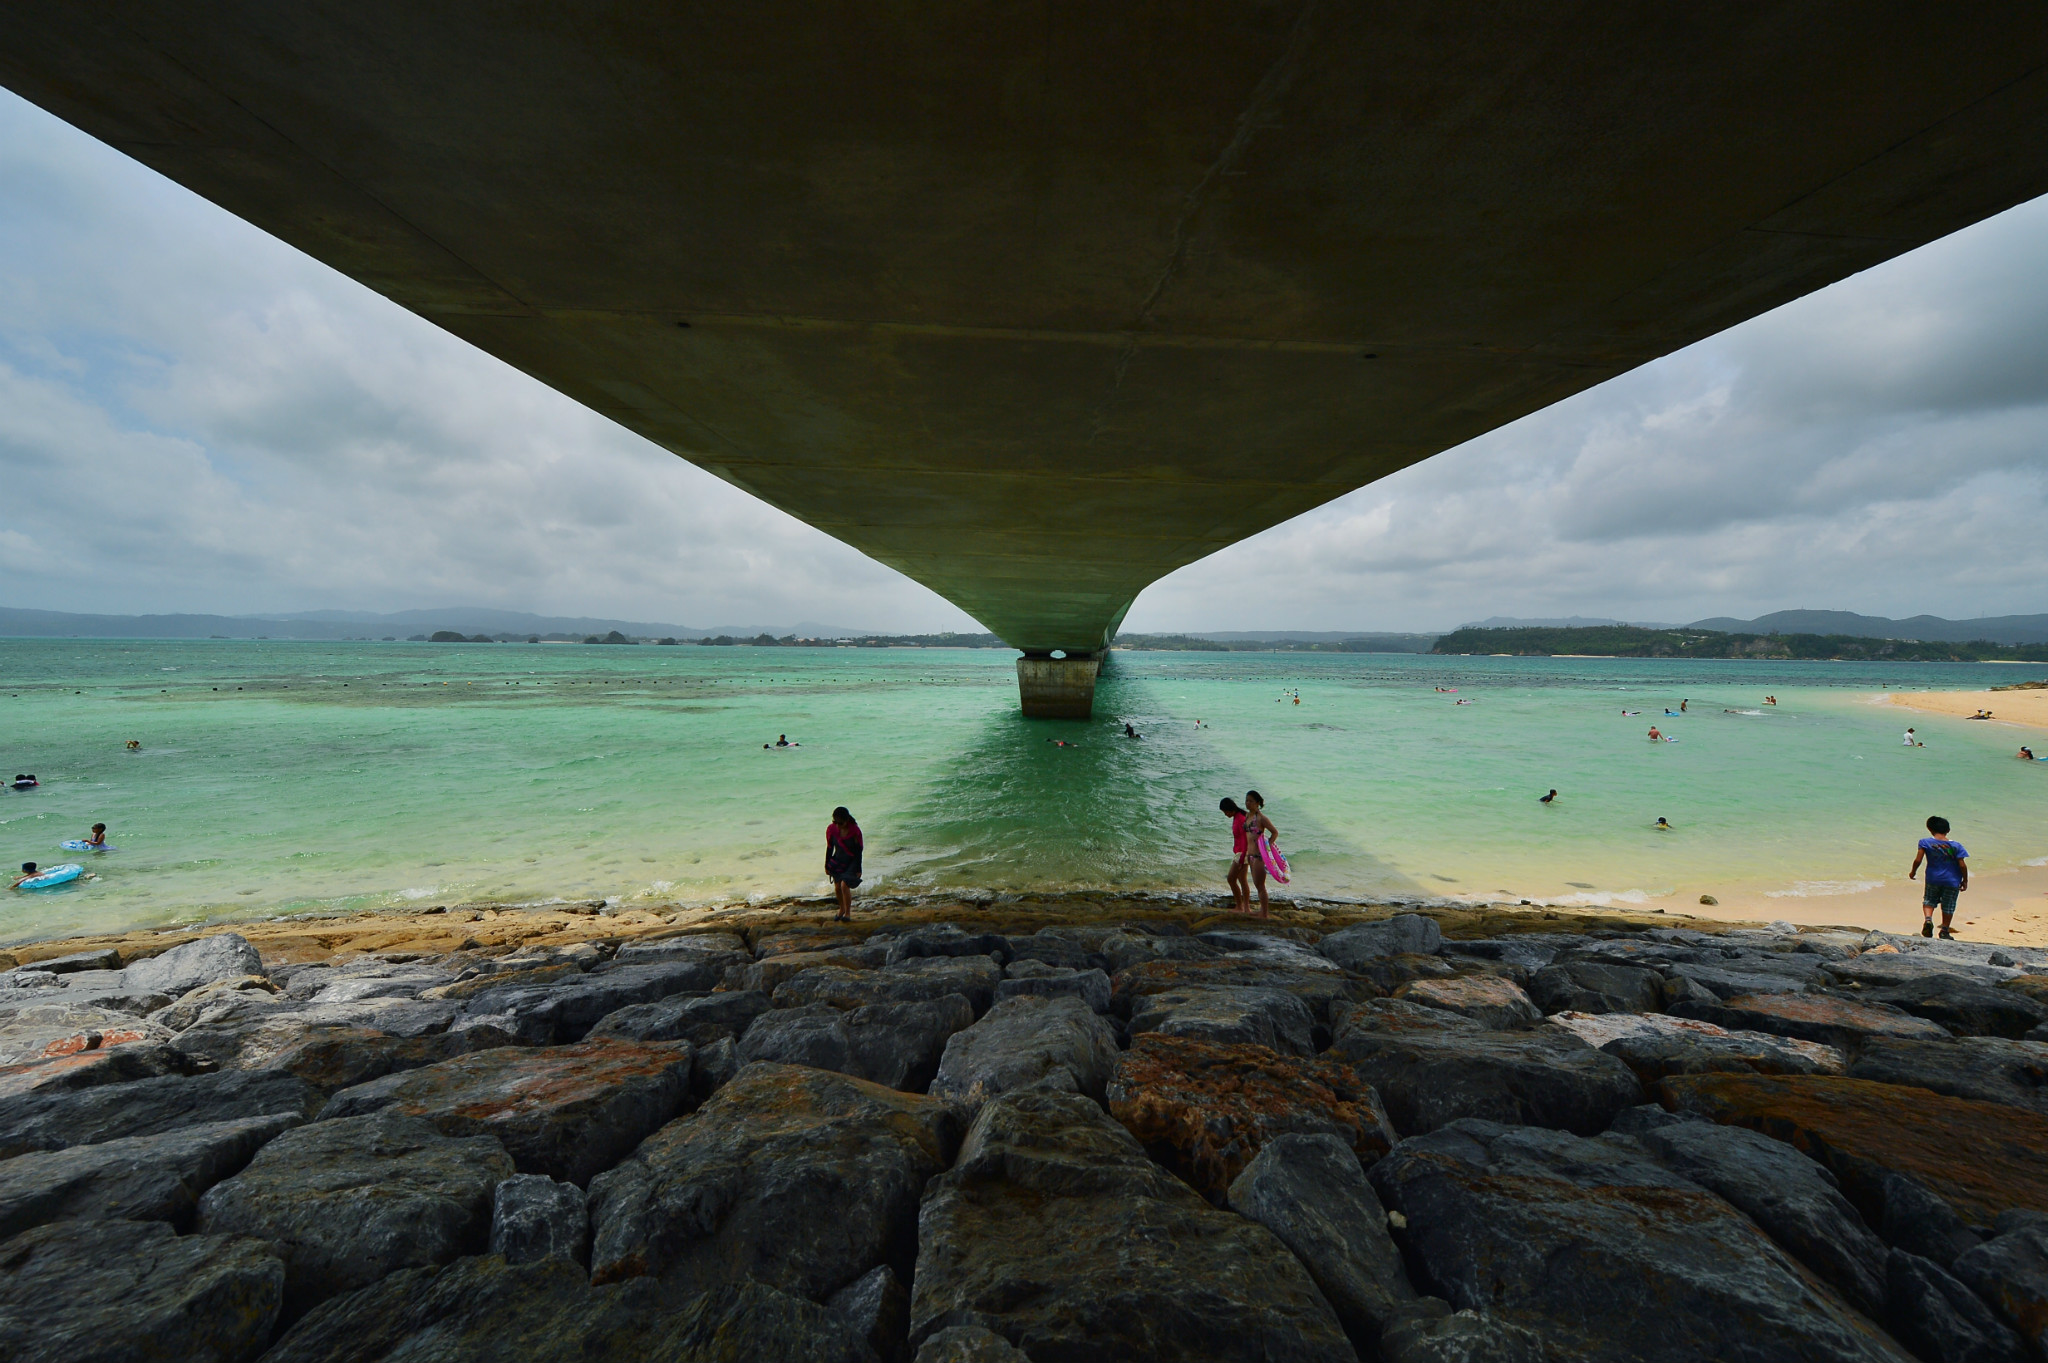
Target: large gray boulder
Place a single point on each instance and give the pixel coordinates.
(1940, 1319)
(562, 1010)
(222, 956)
(52, 1121)
(909, 981)
(1988, 1069)
(136, 1178)
(1795, 1200)
(135, 1292)
(534, 1216)
(797, 1177)
(1403, 934)
(347, 1202)
(899, 1045)
(1967, 1007)
(1055, 1232)
(1431, 1067)
(947, 939)
(877, 1307)
(1607, 1255)
(569, 1112)
(1596, 987)
(1028, 1042)
(2010, 1271)
(813, 1034)
(1031, 976)
(89, 1069)
(700, 1019)
(1272, 1018)
(1311, 1192)
(484, 1310)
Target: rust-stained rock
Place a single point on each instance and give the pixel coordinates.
(799, 1178)
(48, 1031)
(1982, 1157)
(1832, 1021)
(1209, 1108)
(116, 1064)
(1495, 1003)
(569, 1112)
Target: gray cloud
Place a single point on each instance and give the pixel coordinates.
(194, 416)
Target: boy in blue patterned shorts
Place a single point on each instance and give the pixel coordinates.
(1948, 874)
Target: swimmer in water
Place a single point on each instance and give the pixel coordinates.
(2025, 754)
(1655, 737)
(134, 745)
(1631, 712)
(1129, 732)
(1912, 740)
(99, 836)
(1770, 700)
(1461, 701)
(1546, 799)
(1240, 887)
(1681, 706)
(1662, 825)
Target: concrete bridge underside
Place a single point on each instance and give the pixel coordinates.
(1037, 302)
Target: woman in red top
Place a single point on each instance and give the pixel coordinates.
(1240, 888)
(842, 860)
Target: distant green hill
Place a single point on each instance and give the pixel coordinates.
(1241, 643)
(1627, 641)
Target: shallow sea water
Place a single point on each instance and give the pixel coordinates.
(281, 776)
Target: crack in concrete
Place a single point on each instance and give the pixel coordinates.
(1258, 112)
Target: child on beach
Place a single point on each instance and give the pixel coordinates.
(1948, 874)
(1240, 890)
(842, 860)
(1256, 826)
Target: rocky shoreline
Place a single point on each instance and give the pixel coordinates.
(1023, 1127)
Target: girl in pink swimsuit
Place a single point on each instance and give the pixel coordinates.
(1240, 887)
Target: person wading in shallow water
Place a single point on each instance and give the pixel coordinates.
(1240, 890)
(842, 860)
(1256, 826)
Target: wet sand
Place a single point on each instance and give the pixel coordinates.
(498, 929)
(2008, 908)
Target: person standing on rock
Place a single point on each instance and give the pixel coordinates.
(842, 860)
(1948, 875)
(1240, 890)
(1257, 826)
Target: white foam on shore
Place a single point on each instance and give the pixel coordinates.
(1812, 889)
(427, 892)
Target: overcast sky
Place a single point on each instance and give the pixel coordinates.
(196, 417)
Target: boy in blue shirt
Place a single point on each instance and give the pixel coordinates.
(1948, 874)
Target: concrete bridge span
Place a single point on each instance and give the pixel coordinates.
(1037, 302)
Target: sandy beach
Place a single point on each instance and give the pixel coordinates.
(2023, 709)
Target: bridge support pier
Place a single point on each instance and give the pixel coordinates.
(1057, 688)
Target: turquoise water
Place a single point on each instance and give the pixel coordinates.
(279, 776)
